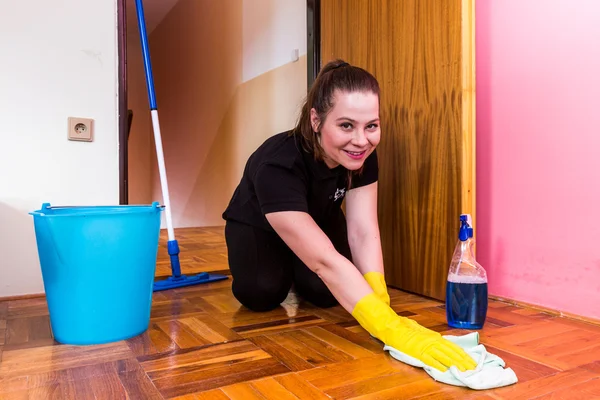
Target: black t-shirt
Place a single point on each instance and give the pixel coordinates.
(281, 176)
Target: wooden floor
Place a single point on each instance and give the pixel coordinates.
(202, 345)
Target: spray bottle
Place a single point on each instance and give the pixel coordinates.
(467, 286)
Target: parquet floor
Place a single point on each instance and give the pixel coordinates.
(202, 345)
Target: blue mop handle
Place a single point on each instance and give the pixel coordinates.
(172, 245)
(146, 54)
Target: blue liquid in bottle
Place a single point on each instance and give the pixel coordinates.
(467, 287)
(466, 304)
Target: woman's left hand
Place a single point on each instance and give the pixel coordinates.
(377, 282)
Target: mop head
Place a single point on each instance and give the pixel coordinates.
(177, 279)
(173, 282)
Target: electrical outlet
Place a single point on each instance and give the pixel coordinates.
(81, 129)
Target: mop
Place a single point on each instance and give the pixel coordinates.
(176, 280)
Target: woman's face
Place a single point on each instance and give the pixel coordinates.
(351, 130)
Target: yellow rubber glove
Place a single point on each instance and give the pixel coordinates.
(377, 282)
(409, 337)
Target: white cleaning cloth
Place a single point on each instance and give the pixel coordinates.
(490, 372)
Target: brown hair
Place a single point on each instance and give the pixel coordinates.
(336, 75)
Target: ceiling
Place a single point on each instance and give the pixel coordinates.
(154, 12)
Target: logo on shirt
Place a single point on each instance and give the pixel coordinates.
(339, 193)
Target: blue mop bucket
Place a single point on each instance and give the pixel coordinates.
(98, 265)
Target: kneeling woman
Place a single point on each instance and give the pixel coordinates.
(285, 225)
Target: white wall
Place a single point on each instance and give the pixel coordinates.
(53, 67)
(271, 30)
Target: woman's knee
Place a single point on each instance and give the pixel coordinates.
(312, 289)
(260, 267)
(320, 298)
(261, 297)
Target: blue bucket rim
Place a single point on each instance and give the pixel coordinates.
(96, 210)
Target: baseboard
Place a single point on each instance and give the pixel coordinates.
(23, 297)
(546, 310)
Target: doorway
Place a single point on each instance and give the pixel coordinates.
(225, 78)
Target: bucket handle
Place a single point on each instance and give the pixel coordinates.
(47, 206)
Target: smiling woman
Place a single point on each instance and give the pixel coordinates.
(285, 225)
(306, 173)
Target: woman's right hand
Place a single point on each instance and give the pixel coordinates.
(409, 337)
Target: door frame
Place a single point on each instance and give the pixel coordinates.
(469, 133)
(313, 40)
(124, 117)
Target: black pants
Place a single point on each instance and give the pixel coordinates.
(264, 268)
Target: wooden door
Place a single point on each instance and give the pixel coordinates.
(422, 53)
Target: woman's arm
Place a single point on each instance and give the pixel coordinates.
(304, 237)
(346, 283)
(363, 229)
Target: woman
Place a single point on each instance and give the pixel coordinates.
(284, 223)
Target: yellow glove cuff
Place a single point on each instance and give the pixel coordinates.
(377, 282)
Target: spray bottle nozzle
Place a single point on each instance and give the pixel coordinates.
(465, 229)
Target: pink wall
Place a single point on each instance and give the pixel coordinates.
(538, 151)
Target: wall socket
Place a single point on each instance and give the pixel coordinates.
(81, 129)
